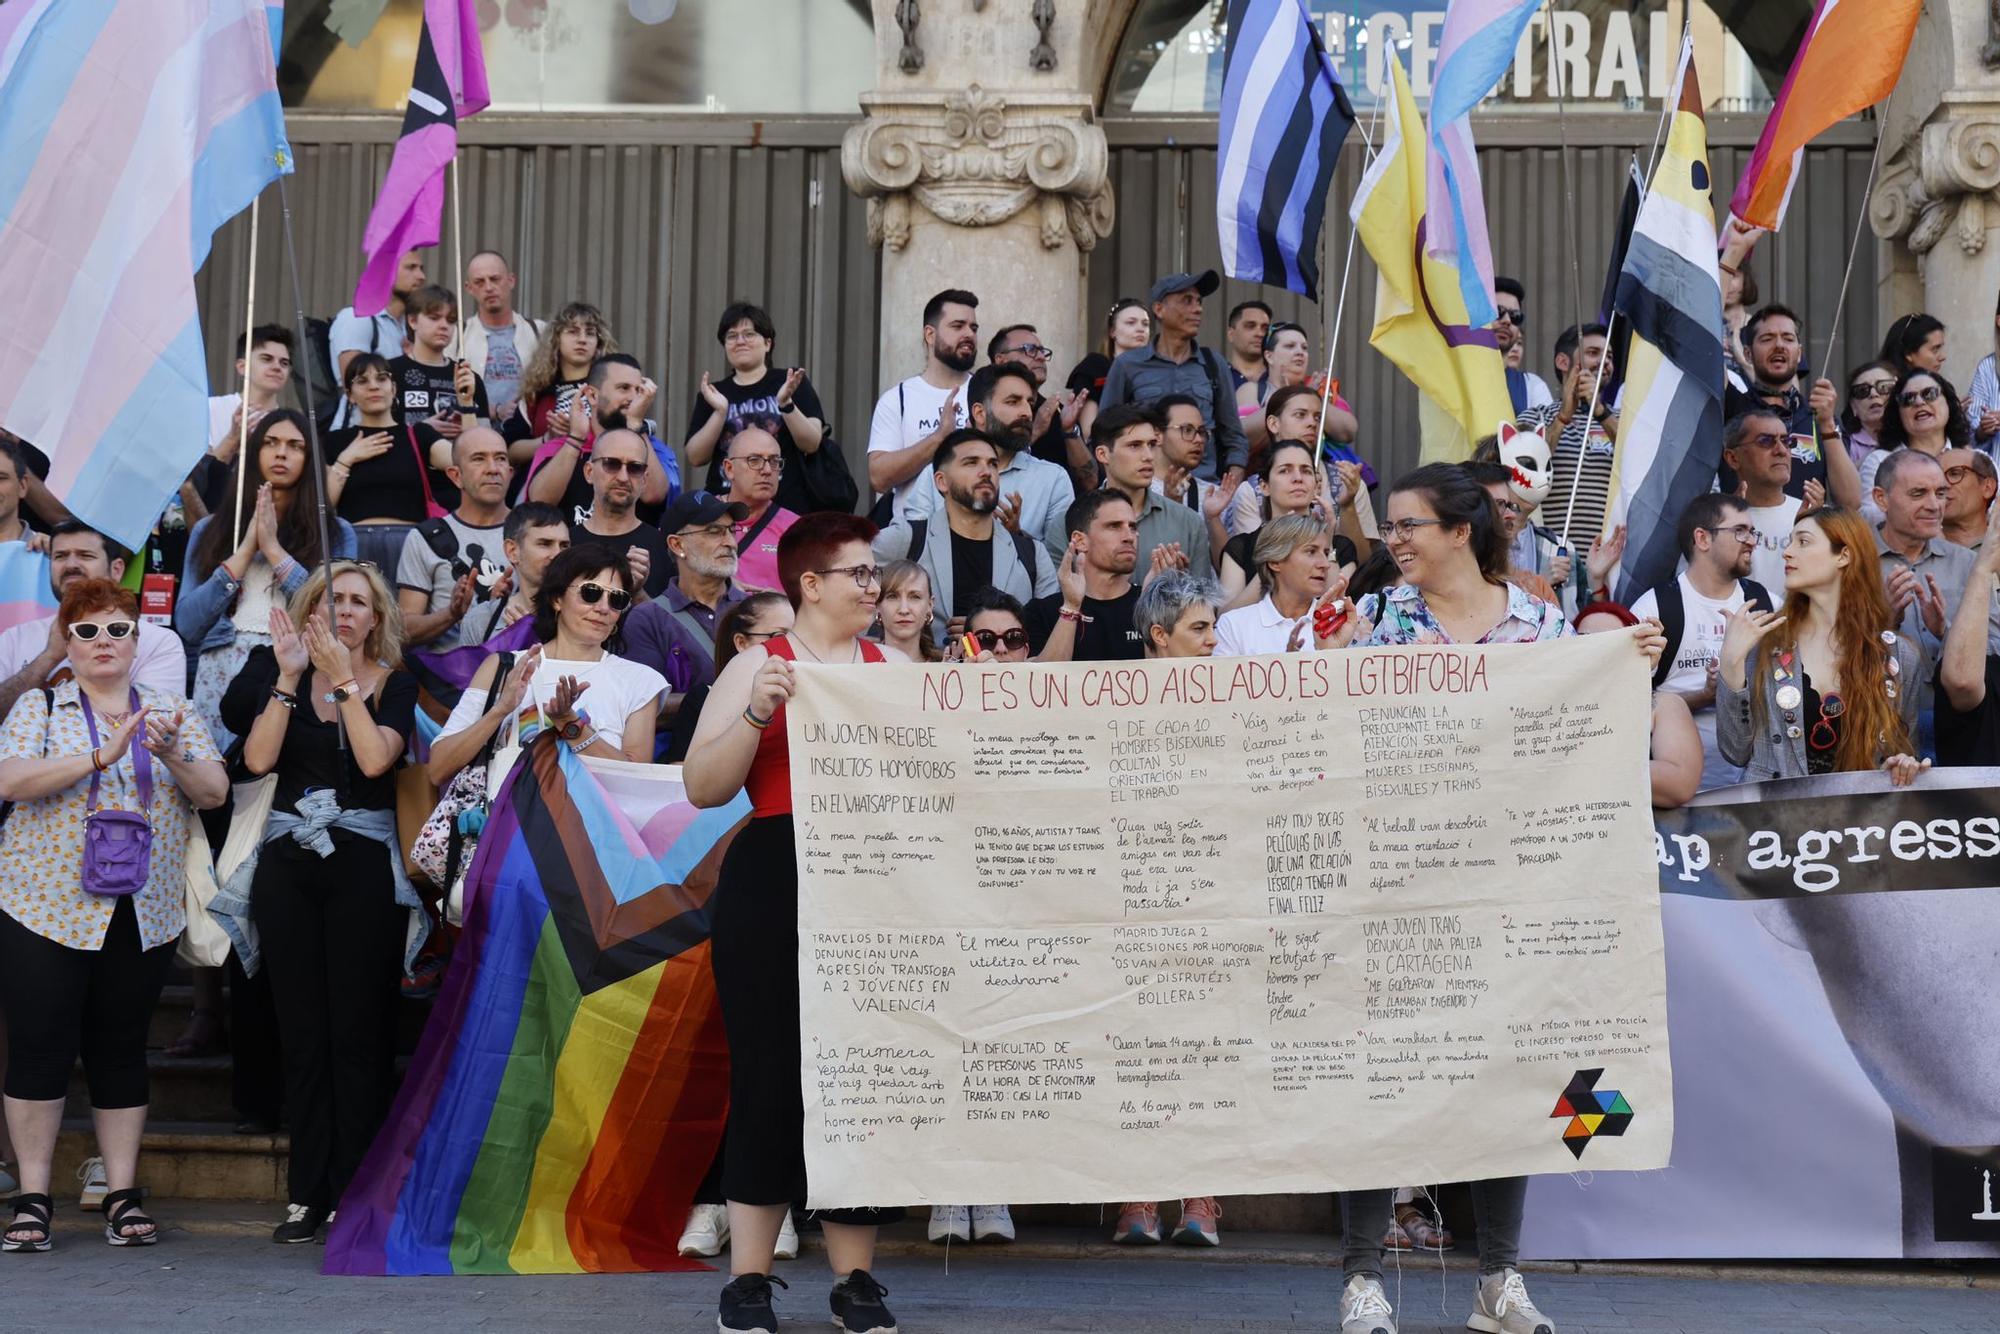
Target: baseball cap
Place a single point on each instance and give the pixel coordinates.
(1204, 282)
(698, 509)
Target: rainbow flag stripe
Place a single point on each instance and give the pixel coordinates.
(570, 1088)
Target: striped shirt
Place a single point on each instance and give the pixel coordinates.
(1593, 491)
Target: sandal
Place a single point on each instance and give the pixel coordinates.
(117, 1219)
(1395, 1239)
(203, 1036)
(1424, 1233)
(39, 1210)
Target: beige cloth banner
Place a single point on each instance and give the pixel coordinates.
(1226, 926)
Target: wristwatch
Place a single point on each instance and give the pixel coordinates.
(571, 730)
(341, 694)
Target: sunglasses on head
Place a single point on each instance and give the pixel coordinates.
(86, 631)
(990, 640)
(593, 593)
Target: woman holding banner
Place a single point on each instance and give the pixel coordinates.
(828, 569)
(1823, 685)
(1445, 535)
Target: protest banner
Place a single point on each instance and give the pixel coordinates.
(1211, 926)
(1831, 954)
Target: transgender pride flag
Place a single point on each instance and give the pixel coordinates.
(132, 129)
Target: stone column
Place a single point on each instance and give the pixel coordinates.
(983, 167)
(1937, 199)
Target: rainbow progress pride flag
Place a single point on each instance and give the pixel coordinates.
(569, 1091)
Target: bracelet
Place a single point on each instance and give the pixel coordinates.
(96, 758)
(586, 741)
(339, 467)
(285, 697)
(1065, 614)
(759, 723)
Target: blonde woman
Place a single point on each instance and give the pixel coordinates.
(329, 903)
(903, 613)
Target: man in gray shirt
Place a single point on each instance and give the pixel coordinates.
(1126, 440)
(1174, 363)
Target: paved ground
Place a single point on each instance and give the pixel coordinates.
(220, 1277)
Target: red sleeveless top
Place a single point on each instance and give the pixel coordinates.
(769, 783)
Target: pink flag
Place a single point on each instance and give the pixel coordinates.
(449, 82)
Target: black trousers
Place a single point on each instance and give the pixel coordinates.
(62, 1003)
(332, 936)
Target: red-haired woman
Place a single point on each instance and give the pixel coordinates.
(1824, 684)
(828, 569)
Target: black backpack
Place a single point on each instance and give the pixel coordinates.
(313, 369)
(1673, 616)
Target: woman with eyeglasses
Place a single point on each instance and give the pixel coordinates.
(828, 568)
(1823, 684)
(1924, 414)
(84, 954)
(781, 401)
(757, 619)
(903, 608)
(1448, 543)
(1868, 388)
(552, 379)
(1128, 326)
(325, 904)
(573, 680)
(252, 555)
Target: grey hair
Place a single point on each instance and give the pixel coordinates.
(1280, 537)
(1898, 460)
(1166, 599)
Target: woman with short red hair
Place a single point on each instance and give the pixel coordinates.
(93, 878)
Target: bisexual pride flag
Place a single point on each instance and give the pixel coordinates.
(570, 1089)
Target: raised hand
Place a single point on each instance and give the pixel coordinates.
(328, 654)
(1605, 553)
(462, 594)
(1815, 496)
(1008, 511)
(118, 740)
(163, 734)
(1350, 482)
(787, 391)
(562, 707)
(1825, 403)
(711, 395)
(1069, 574)
(288, 645)
(1746, 629)
(465, 385)
(1901, 586)
(640, 561)
(1220, 495)
(1930, 606)
(772, 686)
(648, 391)
(1651, 637)
(265, 526)
(515, 687)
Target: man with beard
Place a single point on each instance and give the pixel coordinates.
(1524, 387)
(674, 633)
(968, 551)
(1104, 541)
(912, 419)
(1174, 363)
(1771, 339)
(380, 333)
(616, 470)
(1034, 494)
(1717, 540)
(752, 465)
(452, 578)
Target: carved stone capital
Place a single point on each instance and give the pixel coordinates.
(976, 159)
(1961, 155)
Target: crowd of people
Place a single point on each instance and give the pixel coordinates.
(493, 486)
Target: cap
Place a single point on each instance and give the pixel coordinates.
(698, 509)
(1204, 282)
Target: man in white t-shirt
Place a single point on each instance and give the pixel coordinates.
(34, 653)
(1716, 542)
(269, 367)
(1757, 446)
(912, 419)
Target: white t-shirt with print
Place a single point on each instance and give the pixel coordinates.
(905, 415)
(1774, 534)
(1701, 643)
(619, 688)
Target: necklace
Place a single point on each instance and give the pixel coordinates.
(796, 639)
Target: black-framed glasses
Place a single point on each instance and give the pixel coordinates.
(1402, 530)
(593, 593)
(1035, 350)
(1186, 432)
(1742, 532)
(991, 640)
(1517, 318)
(759, 636)
(85, 631)
(1930, 393)
(862, 575)
(1870, 389)
(1509, 506)
(636, 467)
(761, 462)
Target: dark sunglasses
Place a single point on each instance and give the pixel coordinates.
(1928, 394)
(1517, 318)
(86, 631)
(989, 640)
(633, 466)
(1878, 389)
(593, 593)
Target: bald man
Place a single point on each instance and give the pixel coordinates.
(449, 581)
(616, 470)
(752, 468)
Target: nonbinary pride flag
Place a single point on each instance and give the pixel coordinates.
(1850, 59)
(129, 131)
(448, 83)
(1420, 318)
(1476, 48)
(1284, 118)
(1670, 433)
(569, 1091)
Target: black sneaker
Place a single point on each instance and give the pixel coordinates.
(857, 1305)
(301, 1225)
(746, 1305)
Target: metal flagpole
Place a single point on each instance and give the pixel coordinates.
(243, 409)
(1854, 248)
(458, 257)
(1340, 306)
(1562, 127)
(312, 436)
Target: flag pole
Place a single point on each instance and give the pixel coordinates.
(458, 258)
(1854, 247)
(1562, 128)
(1340, 306)
(243, 409)
(318, 457)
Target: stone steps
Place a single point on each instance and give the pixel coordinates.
(187, 1160)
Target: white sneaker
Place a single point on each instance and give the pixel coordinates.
(788, 1240)
(1503, 1307)
(1364, 1307)
(707, 1230)
(951, 1222)
(992, 1222)
(95, 1186)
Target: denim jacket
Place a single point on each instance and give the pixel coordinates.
(202, 611)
